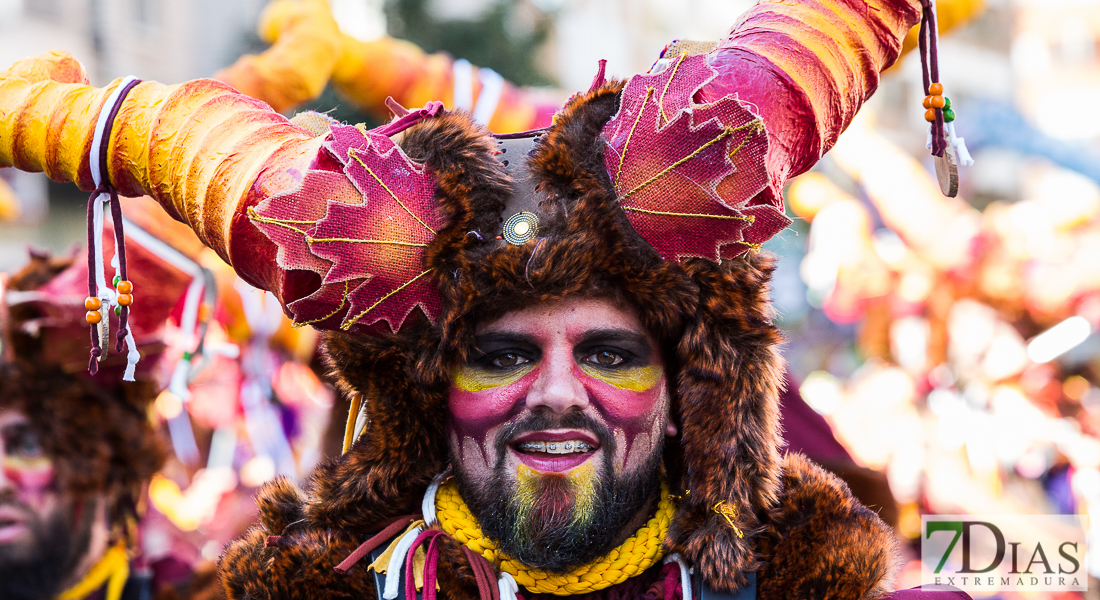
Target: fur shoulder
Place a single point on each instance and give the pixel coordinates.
(820, 542)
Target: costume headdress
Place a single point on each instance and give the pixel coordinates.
(650, 190)
(97, 428)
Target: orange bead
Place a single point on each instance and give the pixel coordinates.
(92, 303)
(936, 89)
(124, 287)
(93, 317)
(927, 102)
(937, 101)
(125, 299)
(930, 115)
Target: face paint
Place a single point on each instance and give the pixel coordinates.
(633, 379)
(556, 500)
(625, 398)
(475, 378)
(30, 475)
(483, 399)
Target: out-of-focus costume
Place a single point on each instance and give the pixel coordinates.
(96, 432)
(657, 191)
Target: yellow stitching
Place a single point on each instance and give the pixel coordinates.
(678, 163)
(749, 218)
(253, 215)
(311, 240)
(730, 513)
(351, 153)
(751, 245)
(622, 157)
(726, 132)
(343, 300)
(661, 100)
(348, 325)
(757, 126)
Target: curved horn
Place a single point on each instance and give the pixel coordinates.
(205, 152)
(308, 48)
(305, 43)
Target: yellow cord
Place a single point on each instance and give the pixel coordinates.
(113, 569)
(639, 552)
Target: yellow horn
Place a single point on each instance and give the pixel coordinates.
(204, 151)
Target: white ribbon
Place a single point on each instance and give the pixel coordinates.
(685, 573)
(393, 570)
(427, 505)
(463, 96)
(508, 586)
(492, 86)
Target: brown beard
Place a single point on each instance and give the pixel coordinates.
(59, 542)
(548, 532)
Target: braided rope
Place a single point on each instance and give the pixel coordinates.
(639, 552)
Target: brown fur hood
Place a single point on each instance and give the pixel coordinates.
(713, 319)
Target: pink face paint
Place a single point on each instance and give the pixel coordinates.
(624, 400)
(31, 477)
(477, 405)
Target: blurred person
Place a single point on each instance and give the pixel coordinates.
(559, 342)
(77, 452)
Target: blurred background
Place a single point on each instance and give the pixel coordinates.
(942, 351)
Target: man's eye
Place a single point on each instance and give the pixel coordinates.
(26, 446)
(605, 358)
(509, 360)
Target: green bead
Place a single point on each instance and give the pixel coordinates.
(118, 311)
(115, 281)
(948, 115)
(946, 103)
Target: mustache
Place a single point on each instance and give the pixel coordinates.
(8, 500)
(539, 421)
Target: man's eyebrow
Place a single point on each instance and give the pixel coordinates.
(637, 342)
(14, 428)
(497, 339)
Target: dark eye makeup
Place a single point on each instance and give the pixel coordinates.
(20, 440)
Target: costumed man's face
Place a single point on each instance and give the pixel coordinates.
(41, 536)
(557, 425)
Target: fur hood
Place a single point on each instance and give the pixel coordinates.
(803, 530)
(755, 109)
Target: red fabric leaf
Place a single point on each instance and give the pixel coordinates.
(363, 232)
(684, 173)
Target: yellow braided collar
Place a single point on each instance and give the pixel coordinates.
(113, 569)
(639, 552)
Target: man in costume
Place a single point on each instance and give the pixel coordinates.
(559, 341)
(77, 451)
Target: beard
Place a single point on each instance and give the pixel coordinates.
(40, 569)
(554, 522)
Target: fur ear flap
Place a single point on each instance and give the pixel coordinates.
(728, 392)
(387, 470)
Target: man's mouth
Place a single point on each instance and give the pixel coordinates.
(12, 526)
(569, 447)
(555, 451)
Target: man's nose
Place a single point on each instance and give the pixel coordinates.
(556, 388)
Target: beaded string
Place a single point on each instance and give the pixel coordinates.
(930, 72)
(101, 298)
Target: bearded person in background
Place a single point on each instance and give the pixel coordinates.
(559, 343)
(77, 453)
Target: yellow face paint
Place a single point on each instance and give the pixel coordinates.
(472, 378)
(532, 493)
(634, 379)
